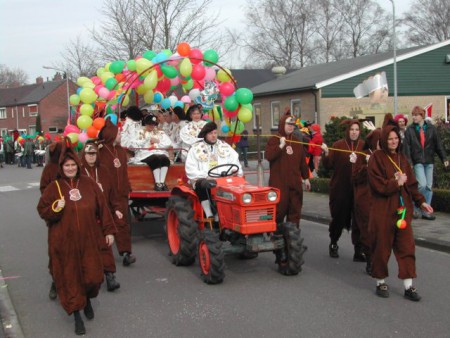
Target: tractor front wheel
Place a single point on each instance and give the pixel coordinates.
(211, 257)
(181, 230)
(290, 258)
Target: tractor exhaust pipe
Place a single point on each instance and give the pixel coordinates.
(259, 167)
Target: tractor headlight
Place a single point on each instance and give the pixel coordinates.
(246, 198)
(272, 196)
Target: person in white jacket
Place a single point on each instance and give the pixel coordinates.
(151, 149)
(178, 122)
(189, 133)
(132, 126)
(204, 155)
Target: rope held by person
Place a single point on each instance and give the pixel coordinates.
(54, 208)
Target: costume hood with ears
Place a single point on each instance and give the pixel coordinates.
(372, 139)
(134, 113)
(108, 133)
(348, 123)
(283, 120)
(207, 128)
(389, 125)
(67, 152)
(54, 151)
(89, 147)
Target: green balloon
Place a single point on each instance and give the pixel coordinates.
(111, 83)
(244, 95)
(131, 65)
(188, 85)
(149, 55)
(117, 66)
(237, 129)
(249, 106)
(168, 52)
(169, 71)
(231, 104)
(211, 56)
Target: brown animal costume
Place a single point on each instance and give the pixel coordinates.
(114, 158)
(74, 237)
(287, 168)
(385, 200)
(51, 169)
(341, 190)
(104, 180)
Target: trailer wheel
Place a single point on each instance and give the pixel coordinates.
(290, 258)
(181, 230)
(211, 257)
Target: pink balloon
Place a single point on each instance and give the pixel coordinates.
(97, 89)
(70, 128)
(83, 137)
(96, 80)
(210, 74)
(196, 56)
(103, 92)
(175, 81)
(198, 72)
(111, 95)
(226, 88)
(173, 63)
(186, 99)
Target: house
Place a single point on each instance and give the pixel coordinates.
(21, 106)
(318, 92)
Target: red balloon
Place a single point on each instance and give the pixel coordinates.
(236, 138)
(158, 71)
(183, 48)
(120, 77)
(199, 84)
(163, 86)
(196, 56)
(226, 88)
(198, 72)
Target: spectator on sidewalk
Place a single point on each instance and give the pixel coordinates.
(28, 151)
(242, 148)
(341, 188)
(288, 168)
(2, 151)
(393, 187)
(9, 150)
(421, 144)
(402, 121)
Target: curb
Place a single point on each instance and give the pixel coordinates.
(10, 323)
(428, 243)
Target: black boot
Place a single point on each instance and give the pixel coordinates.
(111, 283)
(128, 259)
(52, 294)
(333, 250)
(79, 324)
(359, 255)
(88, 310)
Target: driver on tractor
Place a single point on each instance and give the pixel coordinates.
(204, 155)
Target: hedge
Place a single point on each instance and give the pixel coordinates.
(440, 202)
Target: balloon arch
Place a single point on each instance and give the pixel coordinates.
(157, 78)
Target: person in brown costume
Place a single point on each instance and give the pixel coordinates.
(341, 188)
(71, 206)
(49, 174)
(92, 168)
(361, 193)
(393, 185)
(287, 169)
(113, 157)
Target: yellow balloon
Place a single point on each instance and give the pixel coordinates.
(107, 66)
(141, 89)
(224, 75)
(148, 97)
(185, 67)
(143, 65)
(88, 84)
(105, 76)
(100, 71)
(151, 80)
(81, 80)
(73, 137)
(87, 95)
(86, 109)
(245, 115)
(125, 101)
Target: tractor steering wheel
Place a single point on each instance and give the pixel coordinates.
(223, 173)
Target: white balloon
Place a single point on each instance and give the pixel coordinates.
(194, 93)
(173, 99)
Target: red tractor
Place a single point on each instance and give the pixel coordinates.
(246, 226)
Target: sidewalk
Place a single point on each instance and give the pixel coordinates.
(430, 234)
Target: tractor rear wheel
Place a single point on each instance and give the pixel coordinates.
(181, 229)
(290, 258)
(211, 257)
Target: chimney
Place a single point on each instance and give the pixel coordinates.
(39, 80)
(57, 77)
(278, 71)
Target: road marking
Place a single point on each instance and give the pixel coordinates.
(6, 188)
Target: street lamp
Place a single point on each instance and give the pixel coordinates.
(67, 87)
(394, 38)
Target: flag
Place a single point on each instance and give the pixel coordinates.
(428, 110)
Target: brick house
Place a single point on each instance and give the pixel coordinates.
(319, 92)
(20, 107)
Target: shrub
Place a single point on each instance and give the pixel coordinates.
(440, 200)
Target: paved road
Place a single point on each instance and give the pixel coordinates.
(329, 298)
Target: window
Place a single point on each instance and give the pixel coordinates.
(275, 114)
(52, 129)
(295, 108)
(33, 109)
(2, 113)
(3, 132)
(32, 130)
(257, 112)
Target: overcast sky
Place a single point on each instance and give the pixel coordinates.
(34, 32)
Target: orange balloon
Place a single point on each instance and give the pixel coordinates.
(183, 48)
(98, 123)
(120, 77)
(92, 132)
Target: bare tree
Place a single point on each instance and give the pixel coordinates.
(363, 19)
(428, 22)
(12, 78)
(305, 29)
(79, 59)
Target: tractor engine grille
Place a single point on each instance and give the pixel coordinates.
(260, 215)
(261, 197)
